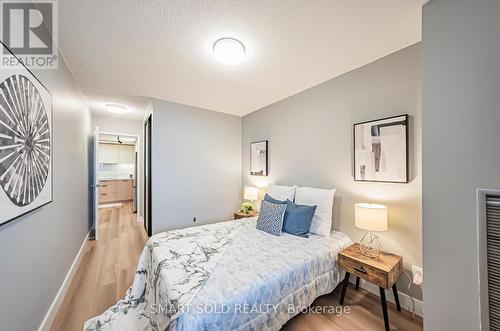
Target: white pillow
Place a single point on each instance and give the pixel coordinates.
(323, 199)
(280, 192)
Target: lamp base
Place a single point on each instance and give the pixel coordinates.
(370, 245)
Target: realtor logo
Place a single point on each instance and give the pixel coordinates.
(29, 30)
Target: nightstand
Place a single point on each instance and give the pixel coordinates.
(240, 214)
(382, 271)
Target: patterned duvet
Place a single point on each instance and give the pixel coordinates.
(225, 276)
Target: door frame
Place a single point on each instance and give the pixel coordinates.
(94, 184)
(138, 180)
(147, 183)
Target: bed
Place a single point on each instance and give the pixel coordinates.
(225, 276)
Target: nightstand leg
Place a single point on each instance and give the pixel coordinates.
(384, 308)
(357, 283)
(344, 287)
(396, 296)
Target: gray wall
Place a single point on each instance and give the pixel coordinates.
(196, 165)
(124, 126)
(461, 151)
(310, 144)
(37, 250)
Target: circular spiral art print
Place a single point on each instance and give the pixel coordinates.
(24, 140)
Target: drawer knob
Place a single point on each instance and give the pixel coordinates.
(360, 269)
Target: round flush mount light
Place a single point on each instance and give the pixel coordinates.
(115, 109)
(229, 51)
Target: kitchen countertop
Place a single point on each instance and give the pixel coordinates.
(116, 178)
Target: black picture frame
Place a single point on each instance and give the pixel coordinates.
(405, 120)
(51, 109)
(265, 171)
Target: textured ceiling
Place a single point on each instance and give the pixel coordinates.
(163, 48)
(136, 106)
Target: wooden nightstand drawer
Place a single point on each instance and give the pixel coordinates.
(363, 271)
(382, 271)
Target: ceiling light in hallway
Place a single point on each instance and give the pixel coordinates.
(229, 51)
(116, 109)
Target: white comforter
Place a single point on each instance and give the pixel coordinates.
(261, 279)
(225, 276)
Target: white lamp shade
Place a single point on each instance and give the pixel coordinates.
(251, 193)
(370, 217)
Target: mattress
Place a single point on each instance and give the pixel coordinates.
(262, 280)
(224, 276)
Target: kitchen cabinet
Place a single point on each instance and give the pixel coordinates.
(125, 189)
(127, 154)
(116, 190)
(116, 153)
(108, 191)
(109, 153)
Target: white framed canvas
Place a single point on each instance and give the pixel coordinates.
(259, 158)
(381, 150)
(26, 150)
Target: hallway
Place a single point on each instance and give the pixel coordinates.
(106, 270)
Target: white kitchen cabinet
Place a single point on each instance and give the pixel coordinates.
(114, 153)
(127, 154)
(109, 153)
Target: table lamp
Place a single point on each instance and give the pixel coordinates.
(371, 218)
(250, 194)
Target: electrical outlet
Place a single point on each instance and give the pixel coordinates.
(194, 219)
(417, 275)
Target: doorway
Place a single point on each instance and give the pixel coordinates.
(116, 167)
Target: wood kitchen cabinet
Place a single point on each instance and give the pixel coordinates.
(116, 190)
(108, 191)
(125, 189)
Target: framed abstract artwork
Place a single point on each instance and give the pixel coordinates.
(381, 150)
(258, 158)
(26, 150)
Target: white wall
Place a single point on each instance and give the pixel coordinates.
(310, 144)
(113, 124)
(117, 125)
(37, 250)
(461, 151)
(196, 165)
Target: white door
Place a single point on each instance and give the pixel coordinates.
(95, 184)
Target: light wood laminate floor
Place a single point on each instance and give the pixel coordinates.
(106, 269)
(108, 265)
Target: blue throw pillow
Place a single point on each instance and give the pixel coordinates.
(270, 199)
(271, 217)
(298, 219)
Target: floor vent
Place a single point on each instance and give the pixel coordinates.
(493, 259)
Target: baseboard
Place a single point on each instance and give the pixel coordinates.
(404, 299)
(56, 303)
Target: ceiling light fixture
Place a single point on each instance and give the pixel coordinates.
(115, 109)
(229, 51)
